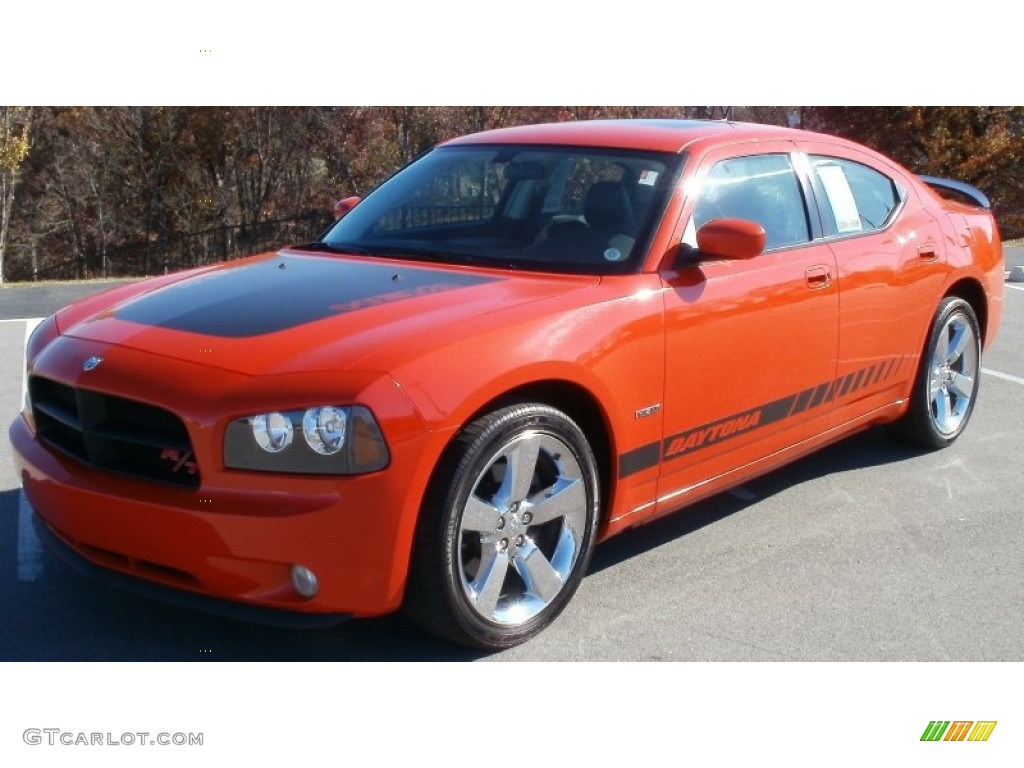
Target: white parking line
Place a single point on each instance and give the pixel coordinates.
(30, 549)
(1006, 376)
(1015, 287)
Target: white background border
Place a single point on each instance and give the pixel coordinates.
(529, 52)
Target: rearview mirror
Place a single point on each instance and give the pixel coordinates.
(342, 207)
(518, 170)
(731, 239)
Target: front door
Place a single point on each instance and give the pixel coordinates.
(750, 345)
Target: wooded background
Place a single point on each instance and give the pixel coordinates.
(90, 192)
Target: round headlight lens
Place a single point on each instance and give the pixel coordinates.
(324, 429)
(273, 431)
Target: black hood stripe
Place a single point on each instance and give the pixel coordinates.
(285, 292)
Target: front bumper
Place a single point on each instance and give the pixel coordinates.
(180, 598)
(234, 541)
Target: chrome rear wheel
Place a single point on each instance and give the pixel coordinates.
(952, 382)
(946, 385)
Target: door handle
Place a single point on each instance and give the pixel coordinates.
(818, 277)
(927, 252)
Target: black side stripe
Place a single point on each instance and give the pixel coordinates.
(639, 459)
(846, 385)
(820, 394)
(706, 435)
(883, 370)
(860, 377)
(802, 401)
(869, 375)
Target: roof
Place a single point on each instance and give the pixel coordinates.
(659, 135)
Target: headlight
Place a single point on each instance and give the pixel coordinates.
(324, 429)
(336, 440)
(273, 432)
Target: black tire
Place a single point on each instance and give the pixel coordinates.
(497, 554)
(946, 384)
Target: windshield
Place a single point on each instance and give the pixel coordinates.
(567, 209)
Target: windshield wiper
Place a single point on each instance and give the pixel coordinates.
(428, 254)
(399, 252)
(320, 245)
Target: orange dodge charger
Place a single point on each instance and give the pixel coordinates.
(524, 342)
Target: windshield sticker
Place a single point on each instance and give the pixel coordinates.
(648, 178)
(844, 207)
(613, 254)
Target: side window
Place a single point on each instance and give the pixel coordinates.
(858, 198)
(761, 188)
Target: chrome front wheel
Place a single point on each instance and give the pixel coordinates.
(522, 528)
(507, 528)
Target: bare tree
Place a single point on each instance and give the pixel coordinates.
(15, 141)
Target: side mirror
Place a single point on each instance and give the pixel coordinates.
(731, 239)
(342, 207)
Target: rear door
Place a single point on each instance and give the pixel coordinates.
(890, 265)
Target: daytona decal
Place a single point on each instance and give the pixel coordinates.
(710, 434)
(706, 435)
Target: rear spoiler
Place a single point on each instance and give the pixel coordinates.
(957, 190)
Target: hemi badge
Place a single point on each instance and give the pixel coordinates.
(650, 410)
(91, 363)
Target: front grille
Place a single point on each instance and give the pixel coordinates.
(114, 433)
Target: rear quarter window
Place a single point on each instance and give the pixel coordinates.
(857, 198)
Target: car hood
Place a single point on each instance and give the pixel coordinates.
(294, 311)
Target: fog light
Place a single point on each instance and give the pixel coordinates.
(304, 581)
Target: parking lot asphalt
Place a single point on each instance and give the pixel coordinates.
(867, 550)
